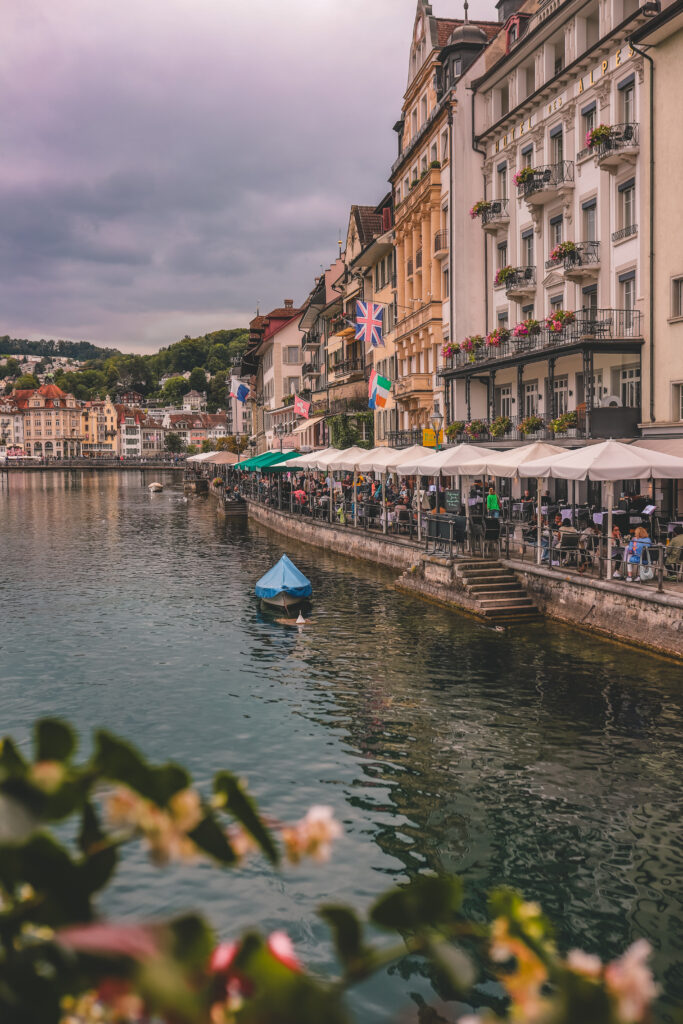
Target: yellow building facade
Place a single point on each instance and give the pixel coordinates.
(99, 428)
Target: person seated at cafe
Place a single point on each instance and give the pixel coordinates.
(566, 531)
(634, 553)
(530, 531)
(674, 551)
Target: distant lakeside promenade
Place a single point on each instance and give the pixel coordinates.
(91, 464)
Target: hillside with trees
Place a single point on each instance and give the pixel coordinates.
(109, 371)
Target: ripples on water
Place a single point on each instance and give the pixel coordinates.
(542, 759)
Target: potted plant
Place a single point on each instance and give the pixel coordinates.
(504, 276)
(530, 425)
(449, 350)
(523, 175)
(476, 429)
(481, 206)
(471, 344)
(497, 336)
(413, 183)
(559, 319)
(435, 165)
(500, 426)
(563, 250)
(288, 399)
(454, 429)
(217, 482)
(598, 135)
(564, 423)
(526, 328)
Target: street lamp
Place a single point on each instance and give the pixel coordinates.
(437, 420)
(280, 431)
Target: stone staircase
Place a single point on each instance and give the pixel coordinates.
(498, 595)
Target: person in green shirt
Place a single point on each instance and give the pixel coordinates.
(674, 552)
(492, 504)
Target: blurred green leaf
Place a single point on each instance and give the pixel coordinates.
(12, 764)
(346, 931)
(120, 761)
(55, 740)
(426, 902)
(100, 859)
(243, 808)
(210, 837)
(192, 941)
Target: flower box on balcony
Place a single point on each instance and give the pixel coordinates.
(526, 329)
(531, 425)
(480, 207)
(500, 426)
(504, 275)
(476, 429)
(558, 320)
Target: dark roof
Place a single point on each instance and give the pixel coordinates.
(368, 223)
(445, 28)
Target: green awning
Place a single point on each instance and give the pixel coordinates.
(265, 459)
(280, 463)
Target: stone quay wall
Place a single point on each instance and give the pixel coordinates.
(635, 615)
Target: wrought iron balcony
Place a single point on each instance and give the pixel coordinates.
(547, 182)
(311, 341)
(521, 282)
(620, 147)
(310, 370)
(630, 229)
(404, 438)
(583, 261)
(588, 325)
(441, 244)
(347, 367)
(496, 216)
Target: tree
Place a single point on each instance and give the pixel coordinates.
(173, 390)
(207, 446)
(219, 358)
(198, 379)
(191, 449)
(27, 382)
(174, 443)
(10, 369)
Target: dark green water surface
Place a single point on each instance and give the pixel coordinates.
(542, 759)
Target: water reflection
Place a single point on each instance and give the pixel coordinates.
(542, 759)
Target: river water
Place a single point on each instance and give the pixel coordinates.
(542, 759)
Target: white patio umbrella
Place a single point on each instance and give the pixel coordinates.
(607, 461)
(306, 461)
(511, 463)
(331, 459)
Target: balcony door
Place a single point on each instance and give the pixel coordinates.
(503, 400)
(531, 398)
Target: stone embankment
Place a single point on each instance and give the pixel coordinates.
(504, 592)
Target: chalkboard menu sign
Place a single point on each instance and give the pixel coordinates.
(452, 501)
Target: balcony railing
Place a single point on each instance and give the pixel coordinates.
(589, 325)
(440, 242)
(584, 254)
(310, 370)
(543, 432)
(347, 366)
(409, 268)
(622, 137)
(404, 438)
(523, 279)
(630, 229)
(496, 213)
(546, 180)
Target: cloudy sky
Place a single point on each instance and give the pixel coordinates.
(168, 164)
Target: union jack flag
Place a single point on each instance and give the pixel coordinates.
(369, 319)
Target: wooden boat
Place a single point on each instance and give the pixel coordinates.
(284, 586)
(156, 486)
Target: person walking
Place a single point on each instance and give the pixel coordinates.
(492, 504)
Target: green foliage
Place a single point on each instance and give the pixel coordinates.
(174, 442)
(57, 955)
(345, 429)
(77, 350)
(197, 379)
(173, 391)
(26, 382)
(10, 368)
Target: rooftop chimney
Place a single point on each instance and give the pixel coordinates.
(289, 303)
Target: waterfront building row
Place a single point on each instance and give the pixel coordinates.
(527, 256)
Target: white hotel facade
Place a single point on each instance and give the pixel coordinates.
(556, 72)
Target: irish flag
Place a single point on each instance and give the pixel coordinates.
(379, 389)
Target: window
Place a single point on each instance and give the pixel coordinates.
(413, 122)
(677, 297)
(528, 248)
(433, 153)
(589, 220)
(504, 403)
(527, 312)
(502, 255)
(629, 387)
(627, 92)
(556, 302)
(590, 298)
(557, 145)
(423, 109)
(588, 119)
(627, 284)
(627, 203)
(444, 146)
(531, 398)
(527, 155)
(503, 319)
(561, 394)
(555, 231)
(291, 354)
(502, 181)
(446, 283)
(504, 100)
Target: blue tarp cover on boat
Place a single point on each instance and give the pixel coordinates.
(284, 577)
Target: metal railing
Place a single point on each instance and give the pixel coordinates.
(347, 366)
(497, 211)
(404, 438)
(630, 229)
(409, 268)
(589, 324)
(310, 370)
(622, 136)
(440, 241)
(546, 178)
(521, 278)
(584, 253)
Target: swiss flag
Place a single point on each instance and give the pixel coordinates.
(301, 408)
